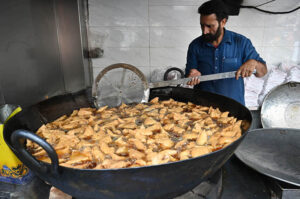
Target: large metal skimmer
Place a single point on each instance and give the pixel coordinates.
(124, 83)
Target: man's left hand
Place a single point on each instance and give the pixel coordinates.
(247, 69)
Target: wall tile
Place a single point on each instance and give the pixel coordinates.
(146, 70)
(177, 2)
(122, 36)
(174, 16)
(133, 56)
(282, 36)
(118, 13)
(175, 57)
(254, 2)
(173, 37)
(275, 55)
(281, 5)
(284, 20)
(256, 35)
(247, 18)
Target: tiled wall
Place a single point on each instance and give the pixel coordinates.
(154, 34)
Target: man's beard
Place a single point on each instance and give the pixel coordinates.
(212, 37)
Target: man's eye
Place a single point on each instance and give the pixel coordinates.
(207, 26)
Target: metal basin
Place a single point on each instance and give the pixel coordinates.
(281, 107)
(157, 181)
(274, 152)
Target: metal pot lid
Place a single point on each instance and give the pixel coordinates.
(120, 83)
(274, 152)
(173, 73)
(281, 107)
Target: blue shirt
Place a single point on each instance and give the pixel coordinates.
(232, 52)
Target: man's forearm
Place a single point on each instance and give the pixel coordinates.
(261, 69)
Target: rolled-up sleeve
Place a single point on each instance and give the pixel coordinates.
(251, 53)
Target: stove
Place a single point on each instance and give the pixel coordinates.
(209, 189)
(282, 190)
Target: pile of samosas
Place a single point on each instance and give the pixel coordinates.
(136, 135)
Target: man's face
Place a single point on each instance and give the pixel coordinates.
(211, 28)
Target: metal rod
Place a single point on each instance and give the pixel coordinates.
(185, 80)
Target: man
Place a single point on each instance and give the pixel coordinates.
(219, 50)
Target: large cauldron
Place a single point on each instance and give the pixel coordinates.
(160, 181)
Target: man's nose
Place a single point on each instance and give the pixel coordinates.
(205, 30)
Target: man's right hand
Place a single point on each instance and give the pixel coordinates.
(194, 73)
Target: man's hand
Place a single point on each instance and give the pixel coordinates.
(194, 73)
(246, 70)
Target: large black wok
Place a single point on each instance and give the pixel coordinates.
(160, 181)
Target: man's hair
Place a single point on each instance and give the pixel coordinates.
(214, 7)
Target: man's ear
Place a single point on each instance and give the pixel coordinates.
(223, 22)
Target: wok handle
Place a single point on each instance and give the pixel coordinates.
(27, 158)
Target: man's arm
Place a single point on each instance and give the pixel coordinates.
(261, 69)
(251, 61)
(248, 68)
(191, 66)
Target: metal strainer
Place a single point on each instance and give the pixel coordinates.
(120, 83)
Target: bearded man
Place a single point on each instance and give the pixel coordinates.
(219, 50)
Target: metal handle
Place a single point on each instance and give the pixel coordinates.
(186, 80)
(173, 69)
(27, 158)
(292, 84)
(202, 78)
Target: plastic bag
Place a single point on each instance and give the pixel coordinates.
(12, 170)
